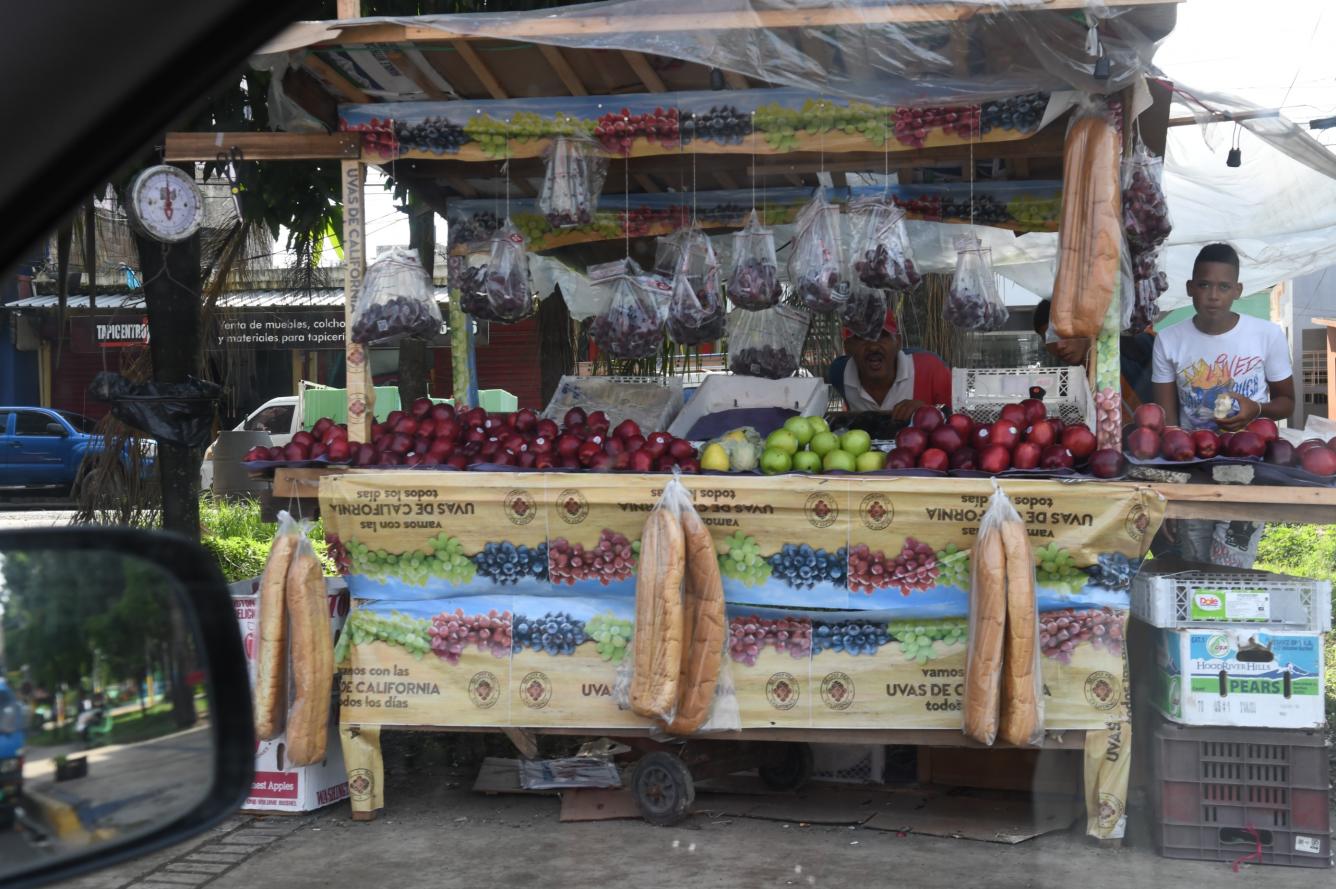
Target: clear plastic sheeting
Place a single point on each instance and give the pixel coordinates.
(911, 52)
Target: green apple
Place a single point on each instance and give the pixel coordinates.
(842, 460)
(783, 440)
(856, 442)
(801, 429)
(774, 461)
(806, 461)
(871, 461)
(818, 424)
(823, 443)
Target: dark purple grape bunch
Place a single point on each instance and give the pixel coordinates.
(397, 318)
(821, 289)
(969, 309)
(865, 312)
(722, 124)
(881, 269)
(754, 284)
(1145, 212)
(434, 134)
(770, 362)
(1018, 113)
(629, 329)
(478, 227)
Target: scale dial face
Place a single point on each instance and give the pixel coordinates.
(166, 204)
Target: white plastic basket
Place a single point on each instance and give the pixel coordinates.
(652, 402)
(1225, 597)
(982, 391)
(720, 392)
(848, 763)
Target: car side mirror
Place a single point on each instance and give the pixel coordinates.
(55, 429)
(125, 708)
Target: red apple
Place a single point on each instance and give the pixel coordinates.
(528, 459)
(1004, 433)
(568, 445)
(470, 449)
(458, 461)
(963, 424)
(415, 459)
(1042, 433)
(1248, 445)
(995, 458)
(548, 428)
(664, 464)
(1144, 443)
(318, 450)
(965, 458)
(543, 461)
(1106, 463)
(928, 418)
(1319, 461)
(394, 417)
(681, 449)
(421, 445)
(946, 438)
(323, 425)
(406, 426)
(494, 424)
(641, 461)
(934, 458)
(339, 451)
(595, 438)
(390, 458)
(1026, 455)
(513, 441)
(574, 417)
(912, 440)
(980, 438)
(490, 448)
(1280, 452)
(399, 444)
(626, 429)
(1265, 427)
(335, 433)
(441, 412)
(662, 437)
(1149, 416)
(689, 465)
(256, 453)
(901, 458)
(568, 463)
(449, 429)
(1034, 410)
(1206, 443)
(382, 441)
(656, 448)
(305, 439)
(621, 461)
(1080, 441)
(1056, 457)
(426, 428)
(1059, 426)
(366, 455)
(1225, 439)
(1014, 414)
(525, 420)
(614, 446)
(597, 418)
(634, 443)
(1176, 445)
(1307, 445)
(420, 407)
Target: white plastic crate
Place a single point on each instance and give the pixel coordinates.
(982, 391)
(652, 402)
(1203, 599)
(720, 392)
(848, 763)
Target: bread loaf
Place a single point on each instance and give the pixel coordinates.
(312, 655)
(1090, 249)
(1022, 713)
(988, 611)
(704, 628)
(271, 650)
(657, 641)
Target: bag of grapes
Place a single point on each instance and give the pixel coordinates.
(696, 308)
(668, 253)
(632, 324)
(973, 302)
(753, 282)
(397, 301)
(472, 281)
(572, 182)
(865, 312)
(1145, 210)
(816, 265)
(767, 343)
(880, 246)
(509, 297)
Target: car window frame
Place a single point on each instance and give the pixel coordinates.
(46, 419)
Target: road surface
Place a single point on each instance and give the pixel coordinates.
(12, 518)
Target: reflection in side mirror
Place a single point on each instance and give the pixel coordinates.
(55, 429)
(110, 736)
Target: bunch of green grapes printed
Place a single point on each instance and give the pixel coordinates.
(921, 641)
(740, 559)
(1055, 569)
(442, 556)
(611, 635)
(364, 627)
(953, 566)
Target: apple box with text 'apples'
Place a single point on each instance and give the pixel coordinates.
(277, 787)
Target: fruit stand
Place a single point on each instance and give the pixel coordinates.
(504, 600)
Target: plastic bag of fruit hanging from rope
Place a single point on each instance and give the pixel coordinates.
(572, 182)
(1145, 211)
(632, 324)
(973, 302)
(879, 247)
(767, 343)
(505, 295)
(696, 308)
(864, 312)
(816, 265)
(753, 281)
(397, 301)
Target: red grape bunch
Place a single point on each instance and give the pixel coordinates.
(913, 569)
(612, 558)
(1061, 631)
(748, 635)
(452, 633)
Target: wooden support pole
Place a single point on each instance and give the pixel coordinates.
(334, 77)
(480, 70)
(361, 393)
(645, 71)
(263, 146)
(563, 70)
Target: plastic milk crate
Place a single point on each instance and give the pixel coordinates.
(1220, 794)
(1170, 598)
(982, 391)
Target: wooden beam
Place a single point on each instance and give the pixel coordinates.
(1255, 502)
(349, 9)
(334, 77)
(461, 185)
(480, 70)
(410, 69)
(646, 183)
(1223, 117)
(263, 146)
(563, 70)
(641, 66)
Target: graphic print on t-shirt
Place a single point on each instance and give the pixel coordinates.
(1199, 384)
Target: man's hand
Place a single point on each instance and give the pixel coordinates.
(1249, 410)
(905, 409)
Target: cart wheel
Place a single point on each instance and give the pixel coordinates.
(662, 787)
(788, 768)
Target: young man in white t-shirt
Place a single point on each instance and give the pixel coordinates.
(1220, 352)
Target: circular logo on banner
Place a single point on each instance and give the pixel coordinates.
(520, 507)
(572, 506)
(1137, 523)
(1110, 811)
(1102, 690)
(876, 511)
(360, 784)
(483, 690)
(782, 691)
(356, 407)
(357, 357)
(822, 510)
(535, 690)
(837, 691)
(1218, 646)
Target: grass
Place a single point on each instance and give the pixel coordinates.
(239, 539)
(126, 728)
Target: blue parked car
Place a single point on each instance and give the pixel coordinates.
(45, 448)
(12, 740)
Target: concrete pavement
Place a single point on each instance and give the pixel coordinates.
(14, 519)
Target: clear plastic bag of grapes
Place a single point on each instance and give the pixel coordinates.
(816, 265)
(668, 252)
(865, 312)
(397, 301)
(632, 324)
(880, 246)
(472, 282)
(1145, 210)
(767, 343)
(696, 308)
(753, 281)
(509, 296)
(973, 302)
(572, 182)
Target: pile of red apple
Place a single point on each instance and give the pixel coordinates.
(1023, 437)
(430, 434)
(1259, 440)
